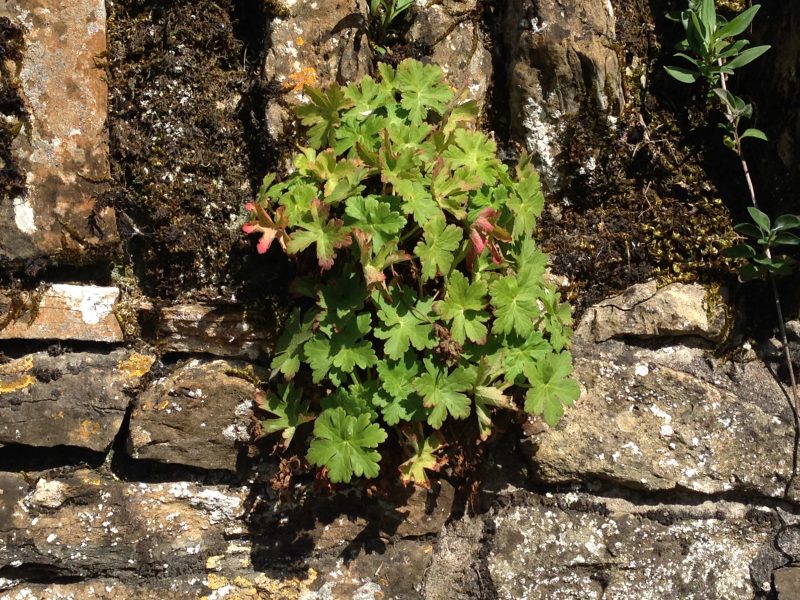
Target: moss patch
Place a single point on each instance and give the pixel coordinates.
(187, 144)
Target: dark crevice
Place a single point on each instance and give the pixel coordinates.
(42, 574)
(21, 457)
(13, 349)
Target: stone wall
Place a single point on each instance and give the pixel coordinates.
(136, 321)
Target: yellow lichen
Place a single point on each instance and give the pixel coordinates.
(300, 79)
(14, 385)
(88, 428)
(136, 365)
(16, 367)
(216, 581)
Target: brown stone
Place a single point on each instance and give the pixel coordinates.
(314, 43)
(221, 331)
(198, 416)
(62, 145)
(562, 63)
(787, 583)
(75, 399)
(61, 312)
(456, 43)
(647, 311)
(97, 525)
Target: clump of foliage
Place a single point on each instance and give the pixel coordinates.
(426, 298)
(715, 54)
(382, 14)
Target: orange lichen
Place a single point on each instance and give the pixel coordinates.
(300, 79)
(299, 41)
(88, 428)
(14, 385)
(136, 364)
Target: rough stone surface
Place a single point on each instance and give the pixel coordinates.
(62, 312)
(458, 570)
(102, 589)
(199, 416)
(220, 331)
(647, 425)
(62, 145)
(646, 311)
(787, 583)
(561, 63)
(455, 42)
(103, 526)
(75, 399)
(574, 546)
(313, 43)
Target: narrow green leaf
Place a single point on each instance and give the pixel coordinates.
(759, 218)
(754, 133)
(747, 56)
(738, 24)
(683, 75)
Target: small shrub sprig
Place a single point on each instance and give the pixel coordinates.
(382, 14)
(427, 298)
(714, 55)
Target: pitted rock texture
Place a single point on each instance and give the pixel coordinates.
(229, 331)
(449, 34)
(314, 43)
(74, 399)
(647, 311)
(574, 546)
(648, 426)
(199, 415)
(562, 64)
(85, 524)
(61, 312)
(62, 145)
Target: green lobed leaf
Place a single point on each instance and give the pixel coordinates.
(436, 250)
(422, 89)
(289, 411)
(464, 304)
(422, 451)
(515, 307)
(289, 350)
(551, 388)
(344, 445)
(375, 218)
(404, 323)
(443, 392)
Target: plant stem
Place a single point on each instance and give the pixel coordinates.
(773, 285)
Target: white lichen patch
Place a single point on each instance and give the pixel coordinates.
(48, 494)
(94, 303)
(24, 217)
(543, 130)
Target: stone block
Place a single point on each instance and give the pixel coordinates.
(62, 144)
(61, 312)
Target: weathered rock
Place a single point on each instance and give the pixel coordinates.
(645, 311)
(579, 546)
(76, 399)
(646, 425)
(62, 145)
(198, 416)
(456, 44)
(562, 64)
(61, 312)
(314, 43)
(787, 583)
(106, 527)
(458, 570)
(107, 589)
(222, 331)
